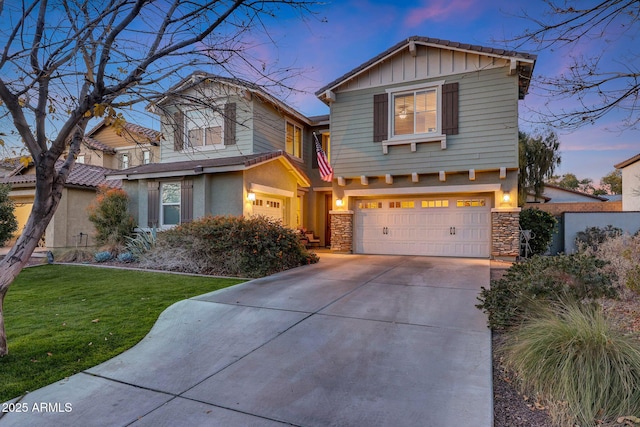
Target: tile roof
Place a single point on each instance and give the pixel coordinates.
(94, 144)
(81, 175)
(152, 135)
(427, 40)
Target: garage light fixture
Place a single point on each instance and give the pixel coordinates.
(251, 196)
(506, 197)
(339, 203)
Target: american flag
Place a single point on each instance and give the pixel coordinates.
(326, 173)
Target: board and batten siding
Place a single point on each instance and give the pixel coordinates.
(428, 62)
(487, 137)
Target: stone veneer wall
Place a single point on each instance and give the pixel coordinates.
(341, 231)
(505, 231)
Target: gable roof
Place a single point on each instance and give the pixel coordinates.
(199, 77)
(627, 162)
(81, 175)
(528, 60)
(153, 136)
(215, 165)
(94, 144)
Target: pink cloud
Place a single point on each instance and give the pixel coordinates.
(439, 10)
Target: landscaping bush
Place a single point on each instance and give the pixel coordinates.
(103, 256)
(74, 255)
(141, 243)
(230, 246)
(110, 217)
(542, 225)
(622, 254)
(572, 357)
(542, 279)
(8, 221)
(593, 237)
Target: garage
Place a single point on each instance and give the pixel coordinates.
(430, 226)
(269, 206)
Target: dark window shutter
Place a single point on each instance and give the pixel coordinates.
(450, 108)
(186, 201)
(230, 123)
(153, 203)
(380, 117)
(178, 132)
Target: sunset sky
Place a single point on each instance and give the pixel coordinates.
(348, 33)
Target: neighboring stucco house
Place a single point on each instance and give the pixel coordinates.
(132, 145)
(555, 194)
(630, 183)
(423, 141)
(70, 225)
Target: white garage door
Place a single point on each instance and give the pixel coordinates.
(269, 206)
(444, 226)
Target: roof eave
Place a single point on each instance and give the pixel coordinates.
(520, 57)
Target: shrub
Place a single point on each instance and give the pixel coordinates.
(126, 257)
(542, 225)
(571, 356)
(622, 254)
(8, 221)
(74, 255)
(231, 246)
(141, 243)
(103, 256)
(109, 215)
(593, 237)
(542, 279)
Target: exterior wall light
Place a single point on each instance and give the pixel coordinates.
(251, 196)
(506, 197)
(339, 203)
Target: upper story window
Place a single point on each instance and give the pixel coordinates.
(415, 112)
(146, 157)
(203, 128)
(293, 142)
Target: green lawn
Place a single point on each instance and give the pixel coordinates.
(62, 319)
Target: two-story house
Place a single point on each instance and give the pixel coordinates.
(229, 148)
(423, 141)
(424, 146)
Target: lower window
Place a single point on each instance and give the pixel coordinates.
(170, 203)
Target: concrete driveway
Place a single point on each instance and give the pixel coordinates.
(354, 340)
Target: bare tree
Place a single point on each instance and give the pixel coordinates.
(64, 62)
(604, 79)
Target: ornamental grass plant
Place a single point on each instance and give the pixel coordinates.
(571, 357)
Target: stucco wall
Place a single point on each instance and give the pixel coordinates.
(631, 187)
(71, 219)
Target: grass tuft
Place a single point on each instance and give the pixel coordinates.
(570, 355)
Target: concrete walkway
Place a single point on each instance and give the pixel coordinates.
(351, 341)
